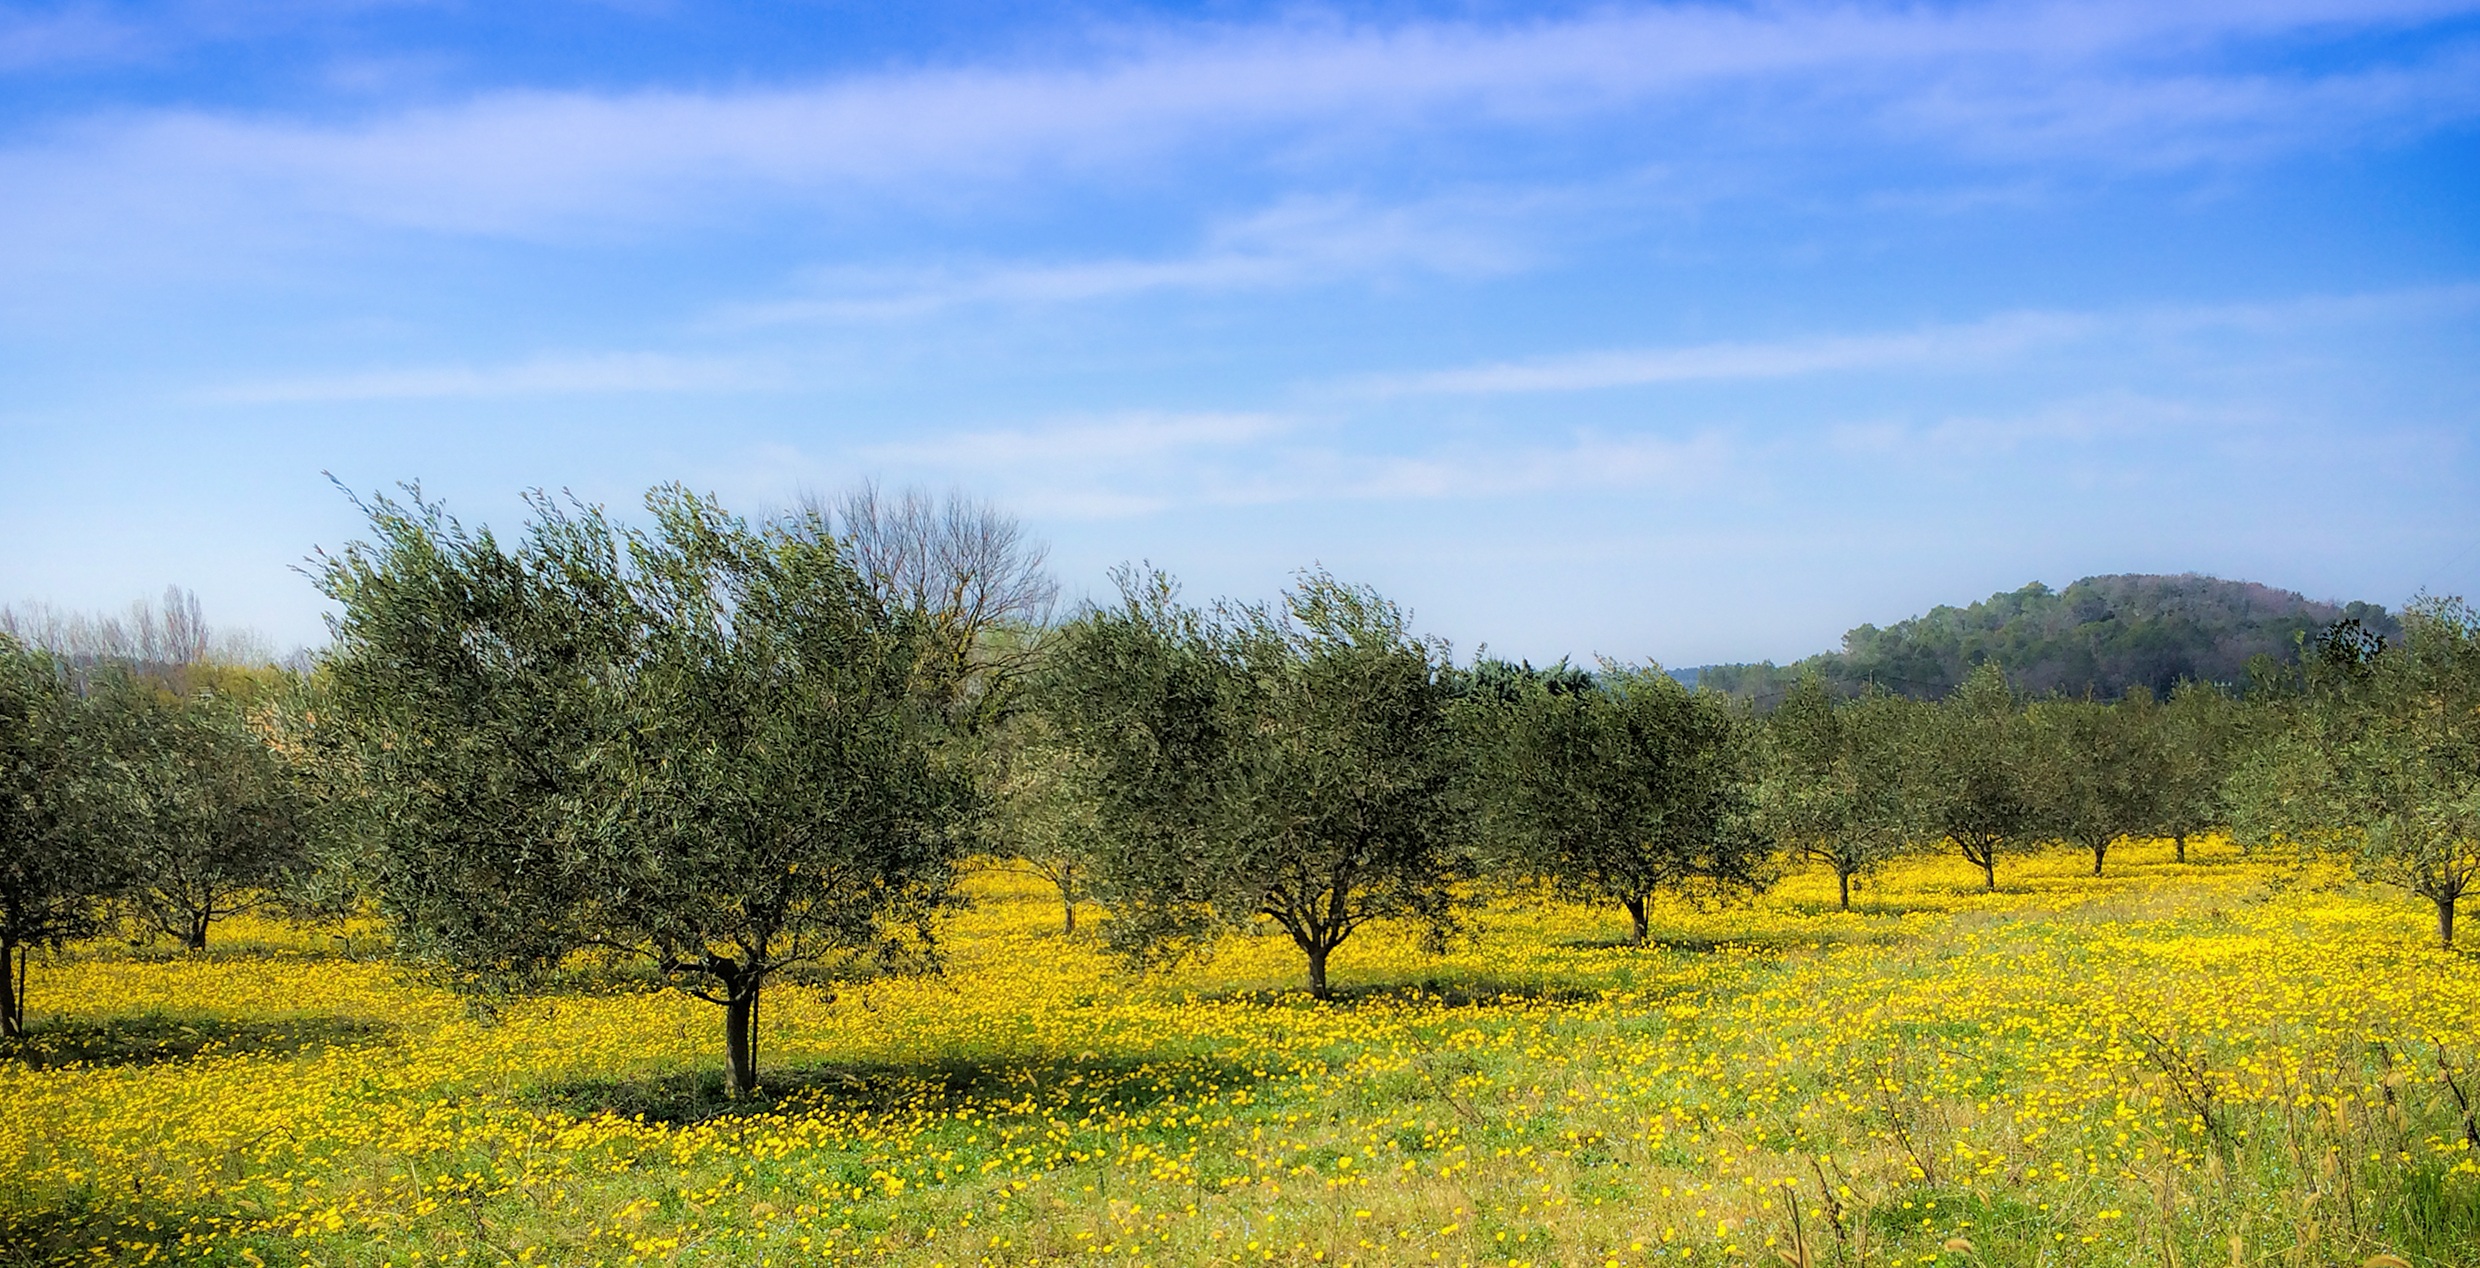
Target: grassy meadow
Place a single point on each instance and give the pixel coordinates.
(2225, 1062)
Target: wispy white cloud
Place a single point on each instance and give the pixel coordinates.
(2147, 115)
(1093, 468)
(1149, 464)
(75, 35)
(540, 376)
(1982, 345)
(1300, 240)
(1122, 439)
(1586, 461)
(1636, 367)
(1966, 443)
(1963, 347)
(2119, 83)
(62, 37)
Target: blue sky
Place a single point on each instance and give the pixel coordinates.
(1691, 332)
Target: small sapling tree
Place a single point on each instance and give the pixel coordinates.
(1039, 806)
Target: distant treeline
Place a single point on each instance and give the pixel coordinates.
(170, 639)
(2097, 638)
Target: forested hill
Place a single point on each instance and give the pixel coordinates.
(2100, 635)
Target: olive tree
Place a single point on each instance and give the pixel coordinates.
(2381, 758)
(1967, 771)
(2096, 769)
(2203, 733)
(218, 819)
(1292, 762)
(1833, 787)
(1139, 691)
(697, 743)
(61, 856)
(1039, 806)
(1631, 787)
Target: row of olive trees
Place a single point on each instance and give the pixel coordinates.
(729, 750)
(1853, 782)
(2363, 750)
(143, 794)
(1315, 765)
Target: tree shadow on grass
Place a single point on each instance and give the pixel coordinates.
(154, 1038)
(1767, 941)
(1426, 992)
(54, 1236)
(83, 1227)
(1860, 906)
(1053, 1085)
(166, 951)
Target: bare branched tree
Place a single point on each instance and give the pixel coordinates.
(965, 566)
(174, 633)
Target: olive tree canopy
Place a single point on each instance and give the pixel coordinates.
(1968, 769)
(219, 823)
(696, 743)
(1295, 763)
(2204, 731)
(1833, 788)
(1630, 785)
(2097, 771)
(2381, 760)
(63, 847)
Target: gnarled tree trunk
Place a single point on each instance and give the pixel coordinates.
(1985, 856)
(739, 997)
(12, 990)
(740, 1035)
(1317, 952)
(1318, 925)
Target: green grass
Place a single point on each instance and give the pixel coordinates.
(1543, 1095)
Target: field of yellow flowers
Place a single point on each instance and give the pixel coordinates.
(2227, 1061)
